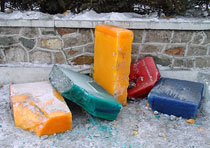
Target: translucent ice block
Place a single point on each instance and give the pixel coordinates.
(176, 97)
(39, 108)
(112, 59)
(85, 92)
(145, 75)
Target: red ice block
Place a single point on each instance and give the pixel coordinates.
(143, 76)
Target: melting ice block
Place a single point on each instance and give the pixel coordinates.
(112, 59)
(85, 92)
(39, 108)
(144, 74)
(176, 97)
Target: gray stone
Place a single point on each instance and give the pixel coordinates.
(6, 41)
(51, 43)
(159, 59)
(1, 56)
(175, 50)
(9, 30)
(182, 36)
(207, 40)
(198, 38)
(63, 31)
(159, 36)
(203, 62)
(28, 43)
(30, 32)
(83, 60)
(188, 63)
(133, 58)
(59, 58)
(196, 50)
(135, 49)
(48, 31)
(15, 54)
(138, 35)
(40, 57)
(151, 48)
(81, 38)
(89, 48)
(73, 52)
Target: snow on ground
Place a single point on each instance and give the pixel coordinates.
(92, 15)
(136, 126)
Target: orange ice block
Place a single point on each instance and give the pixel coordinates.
(112, 59)
(39, 108)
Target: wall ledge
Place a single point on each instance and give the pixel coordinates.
(156, 24)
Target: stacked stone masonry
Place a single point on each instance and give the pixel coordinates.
(174, 48)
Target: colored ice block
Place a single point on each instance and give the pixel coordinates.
(84, 91)
(39, 108)
(144, 74)
(176, 97)
(112, 58)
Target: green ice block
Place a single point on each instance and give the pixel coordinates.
(85, 92)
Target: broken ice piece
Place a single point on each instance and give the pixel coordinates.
(112, 59)
(39, 108)
(145, 75)
(85, 92)
(176, 97)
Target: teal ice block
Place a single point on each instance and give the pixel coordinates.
(85, 92)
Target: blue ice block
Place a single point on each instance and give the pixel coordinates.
(176, 97)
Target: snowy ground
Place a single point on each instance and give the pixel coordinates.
(135, 127)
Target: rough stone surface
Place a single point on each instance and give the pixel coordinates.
(83, 37)
(81, 60)
(168, 47)
(59, 58)
(28, 43)
(48, 31)
(89, 48)
(182, 36)
(15, 54)
(197, 51)
(30, 32)
(162, 60)
(73, 52)
(203, 62)
(161, 36)
(188, 63)
(134, 58)
(52, 43)
(198, 38)
(138, 35)
(40, 57)
(151, 48)
(9, 30)
(135, 49)
(63, 31)
(1, 56)
(207, 39)
(178, 51)
(6, 41)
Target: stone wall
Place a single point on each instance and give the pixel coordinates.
(72, 46)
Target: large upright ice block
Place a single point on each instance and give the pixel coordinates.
(112, 58)
(85, 92)
(144, 74)
(39, 108)
(176, 97)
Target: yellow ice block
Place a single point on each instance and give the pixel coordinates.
(112, 59)
(39, 108)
